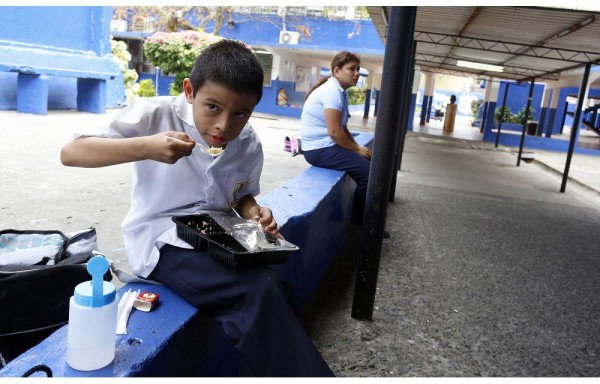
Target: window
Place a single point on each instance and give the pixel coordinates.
(266, 60)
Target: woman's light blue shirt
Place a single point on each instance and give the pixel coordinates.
(313, 129)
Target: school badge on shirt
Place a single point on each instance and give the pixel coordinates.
(236, 192)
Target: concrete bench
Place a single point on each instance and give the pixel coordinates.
(175, 339)
(91, 72)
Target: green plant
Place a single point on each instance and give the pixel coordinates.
(146, 88)
(130, 76)
(520, 116)
(503, 114)
(475, 104)
(356, 95)
(176, 52)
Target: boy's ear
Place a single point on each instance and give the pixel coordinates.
(188, 89)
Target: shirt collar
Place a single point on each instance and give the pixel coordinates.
(335, 83)
(183, 110)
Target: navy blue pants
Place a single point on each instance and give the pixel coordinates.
(254, 307)
(357, 167)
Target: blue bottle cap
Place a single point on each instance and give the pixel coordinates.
(95, 293)
(84, 294)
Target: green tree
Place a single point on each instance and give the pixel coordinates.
(146, 88)
(130, 76)
(520, 116)
(176, 52)
(503, 114)
(356, 95)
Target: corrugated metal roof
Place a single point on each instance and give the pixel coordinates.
(526, 41)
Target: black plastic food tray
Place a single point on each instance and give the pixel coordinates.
(203, 233)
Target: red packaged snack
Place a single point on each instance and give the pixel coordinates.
(146, 301)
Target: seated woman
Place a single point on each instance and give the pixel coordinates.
(282, 99)
(326, 140)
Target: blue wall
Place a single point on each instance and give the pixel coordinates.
(164, 82)
(560, 107)
(325, 34)
(517, 97)
(268, 103)
(55, 41)
(61, 27)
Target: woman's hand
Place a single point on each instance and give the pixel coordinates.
(364, 152)
(265, 217)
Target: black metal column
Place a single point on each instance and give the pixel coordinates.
(575, 127)
(501, 120)
(525, 118)
(367, 103)
(403, 124)
(396, 67)
(564, 116)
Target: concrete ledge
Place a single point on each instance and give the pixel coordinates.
(513, 139)
(312, 209)
(92, 72)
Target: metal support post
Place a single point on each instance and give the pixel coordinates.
(403, 125)
(580, 97)
(525, 120)
(501, 115)
(396, 69)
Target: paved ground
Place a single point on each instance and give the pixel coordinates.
(491, 271)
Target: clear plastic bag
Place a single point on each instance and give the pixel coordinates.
(248, 233)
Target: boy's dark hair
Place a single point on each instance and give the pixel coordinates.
(229, 63)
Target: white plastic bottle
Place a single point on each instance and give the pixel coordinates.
(92, 320)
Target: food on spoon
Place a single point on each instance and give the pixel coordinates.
(215, 150)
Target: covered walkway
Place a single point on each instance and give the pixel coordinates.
(584, 171)
(524, 44)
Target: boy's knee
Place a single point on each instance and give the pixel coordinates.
(266, 284)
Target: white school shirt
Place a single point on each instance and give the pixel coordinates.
(313, 129)
(195, 183)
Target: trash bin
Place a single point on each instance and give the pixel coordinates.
(532, 127)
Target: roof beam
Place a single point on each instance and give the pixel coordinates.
(498, 46)
(472, 18)
(575, 27)
(521, 72)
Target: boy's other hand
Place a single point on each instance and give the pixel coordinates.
(265, 217)
(169, 147)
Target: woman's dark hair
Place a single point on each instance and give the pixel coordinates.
(339, 61)
(229, 63)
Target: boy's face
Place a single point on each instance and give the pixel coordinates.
(219, 113)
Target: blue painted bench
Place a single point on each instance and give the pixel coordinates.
(91, 72)
(175, 339)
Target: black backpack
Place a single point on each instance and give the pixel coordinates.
(39, 271)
